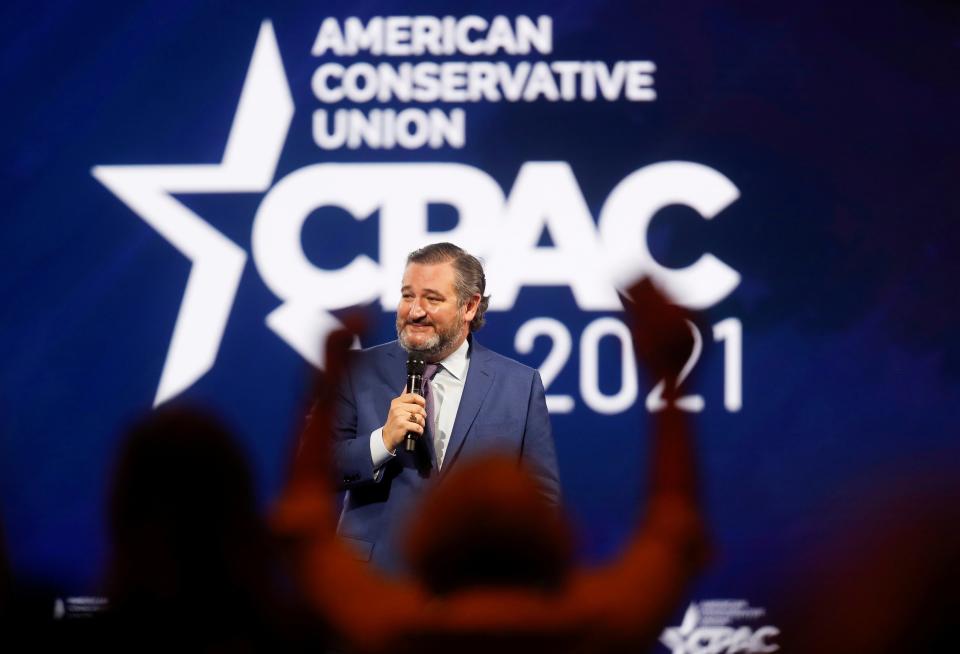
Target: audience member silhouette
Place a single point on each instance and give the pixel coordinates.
(493, 561)
(191, 564)
(476, 534)
(26, 615)
(886, 582)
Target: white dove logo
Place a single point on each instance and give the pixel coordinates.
(691, 638)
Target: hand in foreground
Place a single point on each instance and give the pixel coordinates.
(306, 499)
(661, 336)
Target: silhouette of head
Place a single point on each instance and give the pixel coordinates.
(183, 521)
(489, 526)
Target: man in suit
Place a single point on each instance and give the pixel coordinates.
(479, 402)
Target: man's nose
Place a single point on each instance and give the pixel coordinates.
(416, 310)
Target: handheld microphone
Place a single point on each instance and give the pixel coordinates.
(415, 368)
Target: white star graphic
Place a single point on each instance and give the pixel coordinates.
(249, 162)
(675, 637)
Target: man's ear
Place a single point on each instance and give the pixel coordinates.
(471, 308)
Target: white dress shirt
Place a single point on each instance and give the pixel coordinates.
(447, 390)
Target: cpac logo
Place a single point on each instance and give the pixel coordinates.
(693, 637)
(592, 258)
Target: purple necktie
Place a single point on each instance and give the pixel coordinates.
(429, 372)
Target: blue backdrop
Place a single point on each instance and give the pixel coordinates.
(825, 135)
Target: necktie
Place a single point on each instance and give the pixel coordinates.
(429, 372)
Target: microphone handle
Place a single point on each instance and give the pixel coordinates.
(414, 385)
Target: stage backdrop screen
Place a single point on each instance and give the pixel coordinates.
(195, 193)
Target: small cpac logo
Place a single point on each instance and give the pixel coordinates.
(691, 638)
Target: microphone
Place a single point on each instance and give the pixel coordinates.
(415, 368)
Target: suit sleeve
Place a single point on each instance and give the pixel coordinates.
(539, 453)
(353, 464)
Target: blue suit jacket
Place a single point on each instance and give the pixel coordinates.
(503, 409)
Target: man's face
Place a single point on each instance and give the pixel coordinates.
(429, 318)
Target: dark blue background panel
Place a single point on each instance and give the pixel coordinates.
(146, 145)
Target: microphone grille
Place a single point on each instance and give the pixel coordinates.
(415, 364)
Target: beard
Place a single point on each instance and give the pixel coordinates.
(438, 343)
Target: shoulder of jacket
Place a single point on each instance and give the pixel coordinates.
(503, 362)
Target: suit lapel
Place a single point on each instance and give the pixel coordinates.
(398, 358)
(479, 380)
(394, 371)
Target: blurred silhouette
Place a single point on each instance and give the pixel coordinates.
(492, 558)
(191, 562)
(26, 615)
(477, 534)
(885, 582)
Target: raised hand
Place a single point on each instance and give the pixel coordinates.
(661, 336)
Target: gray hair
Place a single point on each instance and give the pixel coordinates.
(470, 279)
